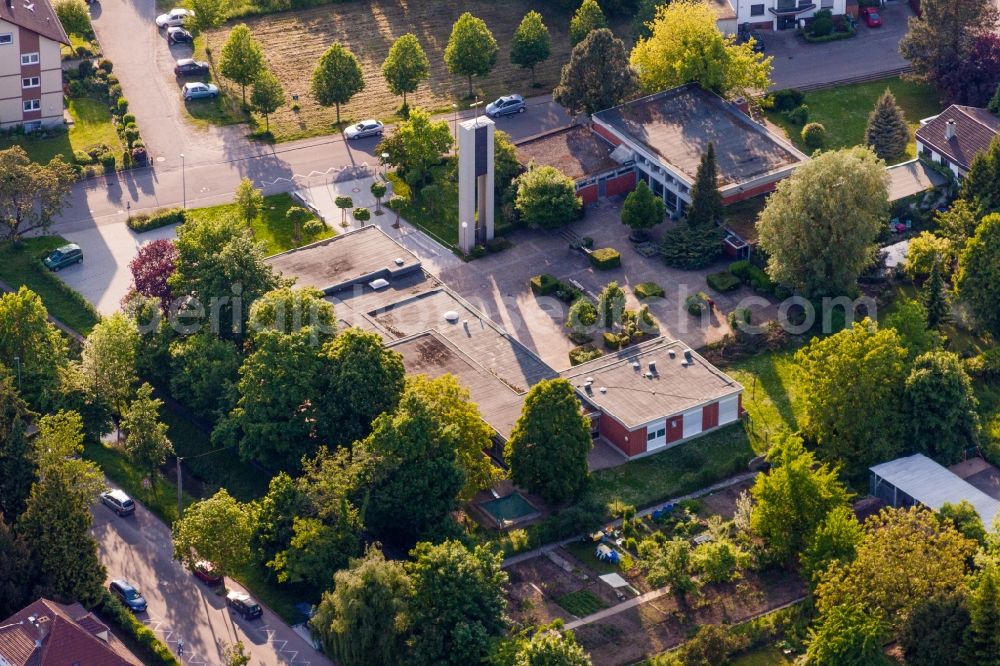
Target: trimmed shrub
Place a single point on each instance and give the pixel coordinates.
(814, 135)
(786, 100)
(544, 284)
(696, 303)
(80, 157)
(122, 105)
(821, 26)
(584, 353)
(605, 258)
(749, 274)
(141, 222)
(645, 290)
(739, 318)
(799, 115)
(108, 162)
(611, 340)
(723, 282)
(128, 119)
(106, 65)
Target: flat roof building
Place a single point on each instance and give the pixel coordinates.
(919, 480)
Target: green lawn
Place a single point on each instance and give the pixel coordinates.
(21, 265)
(581, 603)
(270, 228)
(844, 111)
(768, 656)
(92, 125)
(584, 551)
(438, 214)
(771, 395)
(677, 471)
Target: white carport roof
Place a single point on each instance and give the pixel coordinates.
(932, 485)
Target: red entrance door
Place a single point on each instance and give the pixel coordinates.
(675, 428)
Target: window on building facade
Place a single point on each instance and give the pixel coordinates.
(31, 82)
(6, 38)
(29, 58)
(31, 104)
(756, 10)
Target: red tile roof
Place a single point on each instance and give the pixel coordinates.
(46, 633)
(975, 128)
(34, 15)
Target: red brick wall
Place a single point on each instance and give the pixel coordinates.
(588, 194)
(748, 194)
(710, 416)
(615, 432)
(621, 185)
(600, 131)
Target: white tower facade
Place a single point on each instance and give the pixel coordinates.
(475, 182)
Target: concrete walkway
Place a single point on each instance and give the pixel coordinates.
(620, 608)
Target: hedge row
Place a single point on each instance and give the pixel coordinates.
(645, 290)
(155, 652)
(749, 274)
(605, 258)
(545, 285)
(723, 282)
(141, 222)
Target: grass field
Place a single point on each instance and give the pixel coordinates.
(270, 228)
(22, 265)
(581, 603)
(771, 395)
(769, 656)
(294, 41)
(92, 125)
(844, 111)
(677, 471)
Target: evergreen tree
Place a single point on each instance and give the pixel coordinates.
(933, 633)
(642, 209)
(588, 17)
(943, 420)
(935, 298)
(597, 76)
(706, 201)
(981, 186)
(17, 571)
(887, 132)
(17, 469)
(982, 640)
(531, 43)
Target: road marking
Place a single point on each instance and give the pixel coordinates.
(279, 645)
(156, 626)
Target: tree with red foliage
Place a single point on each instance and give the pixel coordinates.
(973, 79)
(155, 263)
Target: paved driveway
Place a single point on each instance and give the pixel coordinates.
(181, 608)
(874, 50)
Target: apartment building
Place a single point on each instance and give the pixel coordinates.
(31, 91)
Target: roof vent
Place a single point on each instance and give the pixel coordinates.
(380, 283)
(649, 375)
(687, 356)
(672, 353)
(652, 367)
(635, 365)
(603, 390)
(949, 129)
(399, 261)
(451, 317)
(590, 380)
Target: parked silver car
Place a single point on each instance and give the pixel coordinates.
(174, 18)
(118, 501)
(505, 106)
(199, 90)
(364, 128)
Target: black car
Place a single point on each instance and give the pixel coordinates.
(244, 605)
(128, 594)
(178, 35)
(190, 67)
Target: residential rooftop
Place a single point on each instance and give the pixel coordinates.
(34, 15)
(677, 125)
(910, 178)
(975, 128)
(575, 150)
(681, 379)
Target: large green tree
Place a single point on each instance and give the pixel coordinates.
(935, 631)
(362, 621)
(887, 132)
(242, 58)
(109, 360)
(979, 273)
(547, 450)
(217, 529)
(964, 518)
(457, 605)
(17, 466)
(337, 78)
(935, 298)
(597, 76)
(847, 635)
(31, 194)
(417, 144)
(31, 347)
(706, 201)
(642, 209)
(793, 500)
(550, 646)
(208, 14)
(531, 43)
(17, 571)
(909, 319)
(405, 66)
(547, 197)
(834, 540)
(854, 385)
(146, 438)
(472, 50)
(302, 311)
(56, 521)
(587, 18)
(362, 379)
(266, 96)
(820, 227)
(982, 640)
(686, 45)
(204, 371)
(276, 511)
(943, 420)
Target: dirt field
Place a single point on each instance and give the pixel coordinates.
(294, 41)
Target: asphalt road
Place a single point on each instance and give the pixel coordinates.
(181, 608)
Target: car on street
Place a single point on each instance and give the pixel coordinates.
(364, 129)
(198, 90)
(244, 605)
(129, 595)
(118, 501)
(178, 36)
(505, 106)
(871, 17)
(175, 17)
(190, 67)
(205, 571)
(64, 256)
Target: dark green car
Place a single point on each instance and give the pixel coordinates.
(67, 255)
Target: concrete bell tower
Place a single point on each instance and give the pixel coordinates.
(475, 182)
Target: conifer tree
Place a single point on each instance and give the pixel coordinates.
(887, 132)
(982, 640)
(935, 298)
(706, 200)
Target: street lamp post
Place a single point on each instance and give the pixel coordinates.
(454, 106)
(385, 162)
(184, 189)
